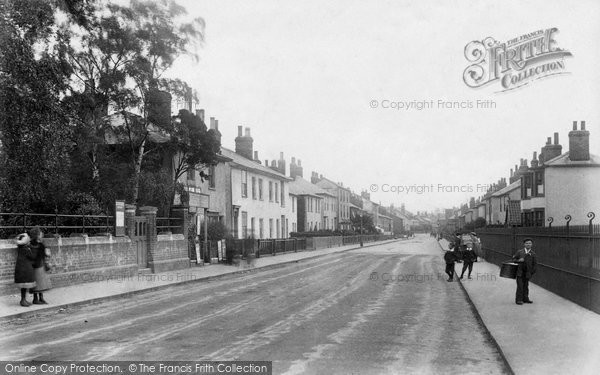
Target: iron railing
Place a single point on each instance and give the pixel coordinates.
(12, 224)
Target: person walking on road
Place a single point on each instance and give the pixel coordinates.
(526, 259)
(450, 258)
(42, 279)
(24, 278)
(468, 258)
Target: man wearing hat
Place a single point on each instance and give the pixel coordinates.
(526, 259)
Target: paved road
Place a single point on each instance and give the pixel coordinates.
(381, 310)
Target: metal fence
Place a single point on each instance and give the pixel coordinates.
(12, 224)
(568, 257)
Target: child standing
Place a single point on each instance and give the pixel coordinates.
(24, 267)
(42, 279)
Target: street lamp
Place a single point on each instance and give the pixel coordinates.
(361, 230)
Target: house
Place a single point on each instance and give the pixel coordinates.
(311, 200)
(560, 184)
(342, 200)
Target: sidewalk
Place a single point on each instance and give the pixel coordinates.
(550, 336)
(121, 287)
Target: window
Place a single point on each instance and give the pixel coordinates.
(277, 227)
(244, 224)
(252, 228)
(211, 177)
(253, 187)
(270, 191)
(282, 195)
(277, 192)
(293, 204)
(270, 228)
(260, 189)
(244, 184)
(191, 174)
(261, 228)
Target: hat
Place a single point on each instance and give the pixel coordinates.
(23, 239)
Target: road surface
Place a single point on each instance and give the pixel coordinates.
(385, 309)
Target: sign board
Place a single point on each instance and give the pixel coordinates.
(119, 218)
(198, 200)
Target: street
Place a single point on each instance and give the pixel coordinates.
(386, 309)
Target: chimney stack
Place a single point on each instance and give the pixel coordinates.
(243, 144)
(551, 151)
(314, 177)
(534, 161)
(579, 143)
(281, 164)
(200, 113)
(296, 169)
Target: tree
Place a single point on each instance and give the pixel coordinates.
(119, 58)
(363, 223)
(192, 145)
(33, 126)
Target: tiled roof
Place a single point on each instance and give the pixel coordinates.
(513, 213)
(302, 187)
(509, 188)
(563, 161)
(248, 164)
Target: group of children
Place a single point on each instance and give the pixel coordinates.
(460, 252)
(31, 267)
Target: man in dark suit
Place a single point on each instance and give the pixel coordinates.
(526, 259)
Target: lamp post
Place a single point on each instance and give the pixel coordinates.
(361, 230)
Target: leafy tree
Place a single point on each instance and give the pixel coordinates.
(192, 145)
(364, 221)
(33, 125)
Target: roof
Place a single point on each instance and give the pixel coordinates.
(115, 131)
(564, 161)
(330, 184)
(513, 213)
(243, 163)
(302, 187)
(509, 188)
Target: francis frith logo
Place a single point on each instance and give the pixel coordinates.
(514, 63)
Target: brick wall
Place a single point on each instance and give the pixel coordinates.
(76, 260)
(169, 253)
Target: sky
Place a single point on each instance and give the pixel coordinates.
(316, 81)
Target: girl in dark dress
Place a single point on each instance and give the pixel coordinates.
(42, 279)
(24, 267)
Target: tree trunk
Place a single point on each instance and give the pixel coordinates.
(137, 171)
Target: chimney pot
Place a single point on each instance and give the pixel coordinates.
(555, 138)
(574, 125)
(239, 130)
(582, 125)
(281, 155)
(247, 132)
(549, 141)
(299, 162)
(212, 122)
(293, 160)
(216, 124)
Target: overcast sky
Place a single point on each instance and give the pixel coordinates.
(302, 76)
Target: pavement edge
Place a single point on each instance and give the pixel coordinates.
(480, 320)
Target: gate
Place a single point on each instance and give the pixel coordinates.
(140, 240)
